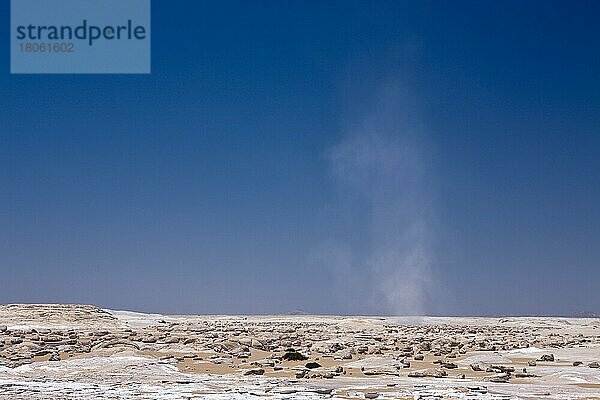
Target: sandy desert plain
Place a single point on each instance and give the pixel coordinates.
(84, 352)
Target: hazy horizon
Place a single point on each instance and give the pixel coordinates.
(354, 158)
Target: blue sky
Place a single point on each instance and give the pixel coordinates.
(213, 185)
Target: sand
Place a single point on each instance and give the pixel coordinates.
(83, 352)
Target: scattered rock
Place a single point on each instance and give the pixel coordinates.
(428, 373)
(312, 365)
(475, 367)
(230, 341)
(502, 368)
(524, 375)
(546, 357)
(500, 378)
(255, 371)
(477, 389)
(294, 356)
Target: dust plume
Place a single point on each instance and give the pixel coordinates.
(382, 162)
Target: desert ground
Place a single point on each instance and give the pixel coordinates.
(84, 352)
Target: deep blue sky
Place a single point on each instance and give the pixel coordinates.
(206, 186)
